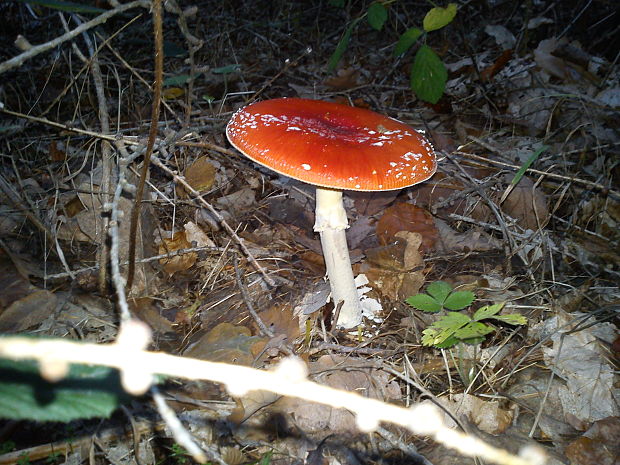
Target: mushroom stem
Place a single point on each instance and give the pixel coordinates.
(331, 223)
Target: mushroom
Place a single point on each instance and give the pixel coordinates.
(334, 147)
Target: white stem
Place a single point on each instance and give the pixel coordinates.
(330, 223)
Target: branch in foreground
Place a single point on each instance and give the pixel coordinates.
(137, 367)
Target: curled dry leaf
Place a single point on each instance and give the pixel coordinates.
(406, 217)
(395, 270)
(180, 262)
(346, 79)
(486, 415)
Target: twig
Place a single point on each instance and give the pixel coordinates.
(248, 300)
(180, 434)
(106, 157)
(146, 260)
(36, 50)
(159, 67)
(594, 185)
(138, 366)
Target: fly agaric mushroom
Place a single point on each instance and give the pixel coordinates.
(334, 147)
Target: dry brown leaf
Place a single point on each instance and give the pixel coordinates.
(55, 153)
(371, 203)
(238, 201)
(228, 343)
(180, 262)
(486, 415)
(28, 311)
(392, 269)
(472, 240)
(345, 79)
(406, 217)
(145, 309)
(527, 204)
(200, 174)
(280, 320)
(195, 234)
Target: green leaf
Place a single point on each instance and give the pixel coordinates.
(438, 17)
(473, 330)
(452, 321)
(337, 3)
(432, 336)
(406, 40)
(86, 392)
(424, 302)
(439, 290)
(474, 340)
(341, 47)
(487, 311)
(226, 69)
(447, 343)
(61, 5)
(377, 16)
(511, 319)
(527, 164)
(459, 300)
(428, 75)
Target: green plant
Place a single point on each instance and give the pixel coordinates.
(179, 454)
(6, 447)
(456, 327)
(24, 459)
(53, 457)
(428, 73)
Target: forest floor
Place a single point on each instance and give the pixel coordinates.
(523, 213)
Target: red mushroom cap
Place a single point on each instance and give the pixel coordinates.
(331, 145)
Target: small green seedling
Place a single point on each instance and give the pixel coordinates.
(456, 327)
(179, 454)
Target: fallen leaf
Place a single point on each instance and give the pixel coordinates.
(472, 240)
(227, 343)
(28, 311)
(195, 234)
(145, 309)
(406, 217)
(200, 175)
(371, 203)
(55, 153)
(180, 262)
(238, 201)
(488, 416)
(344, 80)
(280, 320)
(395, 270)
(527, 204)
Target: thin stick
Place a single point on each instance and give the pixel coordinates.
(159, 67)
(594, 185)
(36, 50)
